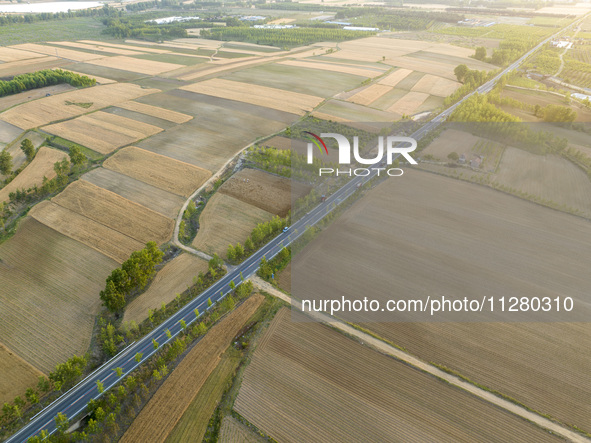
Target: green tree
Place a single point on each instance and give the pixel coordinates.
(453, 156)
(230, 253)
(168, 333)
(62, 423)
(138, 357)
(232, 285)
(112, 299)
(480, 53)
(5, 162)
(100, 414)
(32, 396)
(155, 344)
(460, 72)
(76, 156)
(183, 324)
(209, 303)
(196, 311)
(238, 251)
(92, 426)
(182, 228)
(28, 148)
(100, 387)
(43, 384)
(119, 372)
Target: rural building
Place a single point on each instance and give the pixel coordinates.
(476, 161)
(462, 159)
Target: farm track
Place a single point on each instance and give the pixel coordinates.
(409, 359)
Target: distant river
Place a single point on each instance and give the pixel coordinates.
(48, 7)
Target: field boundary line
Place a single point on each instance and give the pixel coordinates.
(405, 357)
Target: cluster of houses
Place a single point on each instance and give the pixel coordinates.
(562, 43)
(476, 23)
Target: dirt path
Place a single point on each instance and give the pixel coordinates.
(562, 55)
(385, 348)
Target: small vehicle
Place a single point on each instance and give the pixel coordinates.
(286, 229)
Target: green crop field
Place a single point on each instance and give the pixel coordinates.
(72, 29)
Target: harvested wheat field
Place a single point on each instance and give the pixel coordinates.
(97, 48)
(32, 175)
(118, 213)
(154, 111)
(157, 170)
(370, 94)
(175, 277)
(115, 45)
(233, 431)
(99, 80)
(334, 67)
(279, 99)
(263, 190)
(71, 104)
(181, 387)
(460, 240)
(50, 294)
(69, 54)
(105, 240)
(103, 132)
(547, 177)
(433, 85)
(138, 65)
(8, 54)
(226, 220)
(307, 382)
(25, 96)
(409, 103)
(10, 69)
(395, 78)
(17, 375)
(151, 197)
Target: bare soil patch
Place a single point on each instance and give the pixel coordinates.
(307, 372)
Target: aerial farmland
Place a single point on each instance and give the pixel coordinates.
(151, 157)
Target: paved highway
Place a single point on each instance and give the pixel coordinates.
(74, 402)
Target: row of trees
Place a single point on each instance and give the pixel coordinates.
(134, 274)
(285, 38)
(260, 235)
(40, 79)
(117, 409)
(269, 268)
(11, 19)
(477, 108)
(125, 28)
